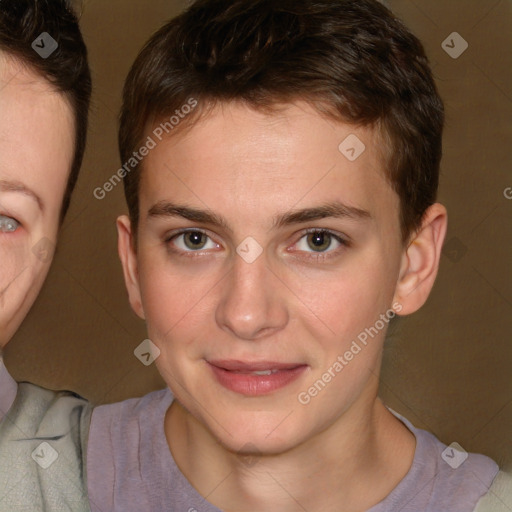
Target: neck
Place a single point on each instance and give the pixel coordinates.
(354, 463)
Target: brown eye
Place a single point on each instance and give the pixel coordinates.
(195, 240)
(191, 241)
(319, 241)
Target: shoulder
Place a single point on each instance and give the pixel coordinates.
(452, 477)
(39, 413)
(52, 413)
(441, 477)
(125, 439)
(43, 438)
(120, 417)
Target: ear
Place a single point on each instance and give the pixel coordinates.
(420, 261)
(128, 256)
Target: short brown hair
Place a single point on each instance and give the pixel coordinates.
(67, 68)
(351, 59)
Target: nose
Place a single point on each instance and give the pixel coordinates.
(252, 303)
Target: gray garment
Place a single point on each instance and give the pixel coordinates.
(499, 497)
(130, 467)
(43, 436)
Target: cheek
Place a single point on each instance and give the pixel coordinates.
(174, 299)
(20, 282)
(13, 255)
(24, 265)
(341, 304)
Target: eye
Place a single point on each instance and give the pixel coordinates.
(193, 240)
(8, 224)
(319, 241)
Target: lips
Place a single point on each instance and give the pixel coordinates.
(255, 378)
(249, 367)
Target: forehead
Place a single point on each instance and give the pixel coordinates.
(239, 157)
(36, 131)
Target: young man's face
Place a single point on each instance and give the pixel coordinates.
(36, 150)
(329, 233)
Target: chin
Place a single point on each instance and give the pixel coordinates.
(267, 435)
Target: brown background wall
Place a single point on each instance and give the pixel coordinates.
(447, 368)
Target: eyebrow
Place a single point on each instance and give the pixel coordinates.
(18, 186)
(168, 209)
(330, 210)
(335, 210)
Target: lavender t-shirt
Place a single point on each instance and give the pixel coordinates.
(130, 467)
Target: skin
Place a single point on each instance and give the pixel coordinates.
(36, 151)
(292, 304)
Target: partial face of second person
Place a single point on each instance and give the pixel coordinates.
(332, 261)
(36, 151)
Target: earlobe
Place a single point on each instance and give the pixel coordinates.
(420, 261)
(128, 258)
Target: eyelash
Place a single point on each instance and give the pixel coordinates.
(317, 256)
(186, 254)
(323, 256)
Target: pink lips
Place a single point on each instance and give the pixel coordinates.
(239, 376)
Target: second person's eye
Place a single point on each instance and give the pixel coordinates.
(8, 224)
